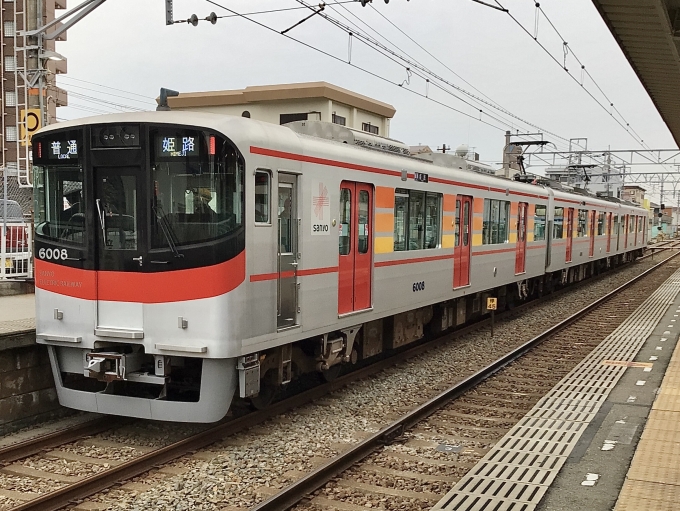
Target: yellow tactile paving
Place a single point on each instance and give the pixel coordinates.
(653, 479)
(637, 495)
(666, 401)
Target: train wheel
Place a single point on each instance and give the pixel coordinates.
(269, 391)
(332, 373)
(265, 398)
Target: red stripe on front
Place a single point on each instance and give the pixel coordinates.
(414, 260)
(161, 287)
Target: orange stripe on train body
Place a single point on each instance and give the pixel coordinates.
(161, 287)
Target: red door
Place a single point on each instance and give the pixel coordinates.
(355, 247)
(463, 243)
(625, 238)
(570, 232)
(593, 215)
(637, 219)
(521, 249)
(609, 232)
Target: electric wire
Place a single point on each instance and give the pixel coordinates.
(62, 77)
(413, 64)
(499, 106)
(542, 46)
(146, 102)
(109, 94)
(339, 59)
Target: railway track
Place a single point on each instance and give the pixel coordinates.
(412, 462)
(138, 459)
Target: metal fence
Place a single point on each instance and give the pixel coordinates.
(16, 257)
(16, 228)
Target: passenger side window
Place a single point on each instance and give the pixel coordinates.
(600, 224)
(539, 222)
(262, 197)
(344, 240)
(417, 219)
(495, 225)
(558, 224)
(582, 227)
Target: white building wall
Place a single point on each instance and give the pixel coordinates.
(270, 111)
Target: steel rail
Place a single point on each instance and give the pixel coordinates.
(667, 245)
(82, 489)
(19, 450)
(297, 491)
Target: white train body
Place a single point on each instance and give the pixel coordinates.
(170, 280)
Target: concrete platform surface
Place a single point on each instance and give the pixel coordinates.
(17, 313)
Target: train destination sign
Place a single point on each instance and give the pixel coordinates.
(63, 150)
(177, 146)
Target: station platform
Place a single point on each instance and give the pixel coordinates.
(17, 314)
(607, 436)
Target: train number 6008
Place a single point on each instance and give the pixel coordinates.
(418, 286)
(55, 254)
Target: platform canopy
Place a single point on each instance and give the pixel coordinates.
(648, 32)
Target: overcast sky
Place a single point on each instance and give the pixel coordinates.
(126, 45)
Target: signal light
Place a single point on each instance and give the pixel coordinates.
(39, 149)
(211, 149)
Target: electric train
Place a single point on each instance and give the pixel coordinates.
(185, 259)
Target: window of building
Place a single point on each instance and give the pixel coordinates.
(417, 219)
(600, 224)
(9, 29)
(496, 220)
(539, 222)
(558, 223)
(339, 119)
(10, 63)
(582, 227)
(262, 196)
(10, 99)
(286, 118)
(367, 126)
(11, 133)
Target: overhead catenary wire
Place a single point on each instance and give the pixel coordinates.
(411, 63)
(542, 46)
(339, 59)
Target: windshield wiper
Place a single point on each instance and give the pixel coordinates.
(168, 232)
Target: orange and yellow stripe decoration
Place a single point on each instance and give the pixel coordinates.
(384, 220)
(449, 221)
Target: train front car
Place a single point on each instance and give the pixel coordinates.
(140, 249)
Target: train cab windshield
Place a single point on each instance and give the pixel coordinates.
(196, 194)
(136, 197)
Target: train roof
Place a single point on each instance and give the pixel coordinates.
(246, 132)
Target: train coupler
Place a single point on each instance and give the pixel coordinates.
(112, 366)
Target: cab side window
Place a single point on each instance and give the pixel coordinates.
(262, 197)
